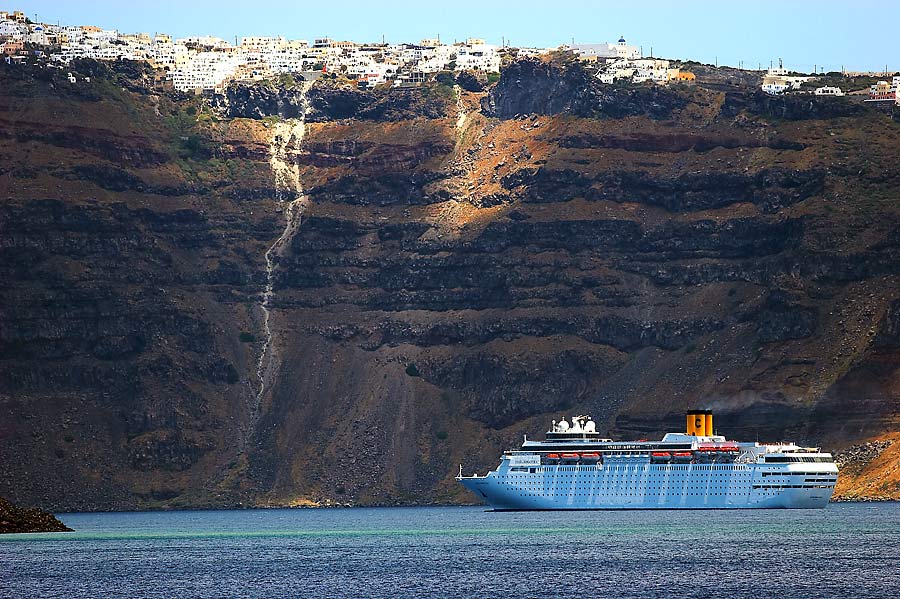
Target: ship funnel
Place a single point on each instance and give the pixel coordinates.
(697, 421)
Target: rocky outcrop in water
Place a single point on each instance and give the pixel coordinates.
(15, 519)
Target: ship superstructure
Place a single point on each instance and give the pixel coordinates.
(575, 468)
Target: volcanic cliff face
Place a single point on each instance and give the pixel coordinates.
(549, 87)
(466, 268)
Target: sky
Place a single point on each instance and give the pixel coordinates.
(807, 34)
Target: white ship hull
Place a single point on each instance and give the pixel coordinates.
(632, 485)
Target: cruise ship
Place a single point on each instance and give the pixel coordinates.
(575, 469)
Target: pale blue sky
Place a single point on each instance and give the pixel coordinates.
(858, 35)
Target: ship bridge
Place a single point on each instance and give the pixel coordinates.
(583, 428)
(580, 441)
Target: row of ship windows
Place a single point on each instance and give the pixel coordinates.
(599, 495)
(630, 475)
(795, 474)
(618, 472)
(692, 467)
(676, 491)
(784, 459)
(695, 493)
(657, 467)
(578, 487)
(793, 486)
(647, 478)
(659, 491)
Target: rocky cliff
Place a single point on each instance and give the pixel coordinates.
(467, 266)
(535, 86)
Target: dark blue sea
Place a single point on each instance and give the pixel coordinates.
(845, 550)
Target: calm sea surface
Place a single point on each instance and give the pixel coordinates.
(846, 550)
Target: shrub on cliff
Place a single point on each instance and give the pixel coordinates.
(472, 81)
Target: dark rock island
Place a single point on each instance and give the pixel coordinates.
(15, 519)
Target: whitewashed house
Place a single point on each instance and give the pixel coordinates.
(606, 51)
(477, 57)
(778, 80)
(12, 30)
(828, 91)
(651, 69)
(206, 70)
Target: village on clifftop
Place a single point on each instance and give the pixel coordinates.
(205, 63)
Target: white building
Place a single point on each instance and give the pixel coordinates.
(637, 71)
(650, 69)
(477, 57)
(262, 44)
(778, 80)
(606, 51)
(828, 91)
(74, 34)
(205, 41)
(288, 60)
(774, 86)
(206, 70)
(101, 35)
(12, 30)
(373, 73)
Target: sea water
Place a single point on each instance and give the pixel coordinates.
(845, 550)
